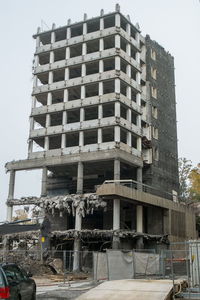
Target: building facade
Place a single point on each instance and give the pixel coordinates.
(103, 114)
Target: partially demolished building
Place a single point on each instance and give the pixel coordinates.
(103, 132)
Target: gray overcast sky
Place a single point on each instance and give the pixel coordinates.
(174, 24)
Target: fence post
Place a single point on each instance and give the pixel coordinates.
(64, 265)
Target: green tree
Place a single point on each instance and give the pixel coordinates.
(185, 167)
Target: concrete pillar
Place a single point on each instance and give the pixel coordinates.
(100, 88)
(139, 226)
(49, 98)
(35, 81)
(78, 219)
(139, 178)
(139, 144)
(128, 71)
(101, 67)
(67, 53)
(128, 92)
(138, 99)
(51, 60)
(63, 141)
(100, 135)
(117, 134)
(128, 49)
(117, 109)
(66, 95)
(66, 73)
(50, 81)
(137, 58)
(64, 120)
(46, 143)
(101, 45)
(53, 37)
(100, 111)
(128, 29)
(84, 49)
(117, 85)
(117, 41)
(82, 114)
(44, 182)
(129, 139)
(37, 41)
(30, 146)
(11, 190)
(128, 115)
(116, 207)
(138, 77)
(83, 71)
(117, 20)
(117, 63)
(101, 24)
(34, 100)
(82, 92)
(48, 120)
(81, 138)
(84, 28)
(68, 32)
(31, 123)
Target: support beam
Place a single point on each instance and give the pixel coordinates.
(78, 220)
(44, 182)
(139, 226)
(139, 178)
(11, 190)
(116, 207)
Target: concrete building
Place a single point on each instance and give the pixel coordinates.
(103, 132)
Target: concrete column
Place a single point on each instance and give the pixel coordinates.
(50, 81)
(67, 53)
(117, 109)
(31, 123)
(101, 45)
(101, 24)
(84, 28)
(100, 111)
(82, 92)
(117, 20)
(101, 67)
(46, 143)
(63, 141)
(117, 134)
(128, 115)
(68, 32)
(139, 144)
(44, 182)
(128, 49)
(100, 88)
(51, 60)
(36, 61)
(117, 85)
(49, 98)
(117, 63)
(11, 190)
(128, 92)
(82, 114)
(128, 71)
(139, 178)
(139, 226)
(139, 223)
(138, 99)
(100, 135)
(116, 206)
(48, 120)
(66, 95)
(128, 29)
(67, 73)
(79, 189)
(117, 41)
(53, 37)
(81, 138)
(129, 139)
(137, 58)
(34, 100)
(138, 77)
(35, 81)
(37, 41)
(84, 49)
(64, 120)
(78, 219)
(83, 71)
(30, 146)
